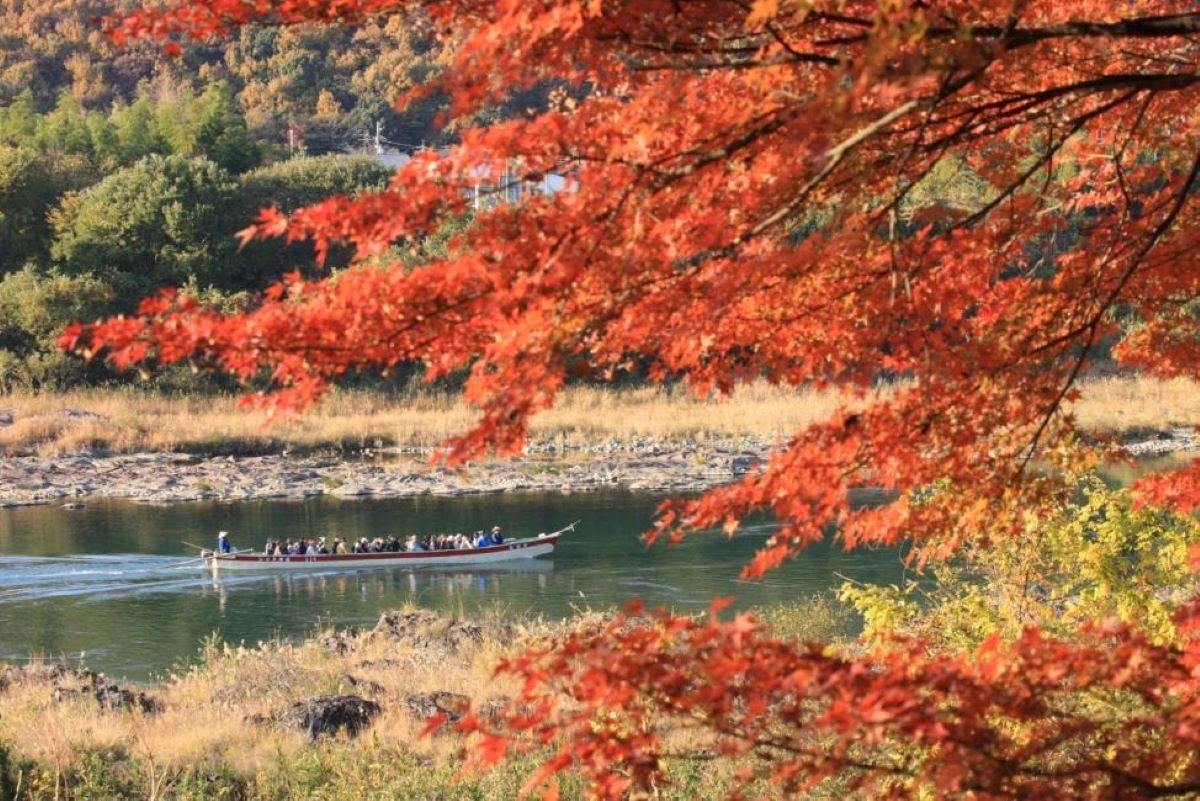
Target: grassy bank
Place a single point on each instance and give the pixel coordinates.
(127, 421)
(216, 730)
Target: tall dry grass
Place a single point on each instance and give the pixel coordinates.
(128, 420)
(216, 723)
(1126, 404)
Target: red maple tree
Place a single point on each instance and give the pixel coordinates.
(744, 175)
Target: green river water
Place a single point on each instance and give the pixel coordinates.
(108, 584)
(113, 584)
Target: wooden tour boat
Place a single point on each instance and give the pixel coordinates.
(510, 550)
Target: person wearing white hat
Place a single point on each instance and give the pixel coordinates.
(223, 545)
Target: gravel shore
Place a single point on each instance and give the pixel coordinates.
(170, 477)
(641, 464)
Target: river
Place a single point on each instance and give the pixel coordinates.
(110, 584)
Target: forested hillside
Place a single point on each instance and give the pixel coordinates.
(123, 170)
(322, 87)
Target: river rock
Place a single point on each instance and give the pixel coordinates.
(423, 706)
(423, 628)
(642, 463)
(329, 714)
(68, 683)
(113, 698)
(53, 673)
(363, 685)
(341, 642)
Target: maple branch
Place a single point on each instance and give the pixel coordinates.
(1092, 326)
(1154, 27)
(776, 61)
(1076, 125)
(780, 119)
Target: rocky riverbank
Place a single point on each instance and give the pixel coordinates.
(641, 464)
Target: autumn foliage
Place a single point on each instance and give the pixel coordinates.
(742, 204)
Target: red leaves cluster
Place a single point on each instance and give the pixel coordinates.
(747, 201)
(1002, 722)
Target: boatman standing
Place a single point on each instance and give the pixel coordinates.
(223, 545)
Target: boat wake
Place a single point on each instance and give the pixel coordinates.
(96, 578)
(24, 578)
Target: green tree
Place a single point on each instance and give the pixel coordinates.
(160, 222)
(26, 193)
(137, 131)
(221, 133)
(34, 308)
(65, 129)
(105, 140)
(19, 120)
(291, 185)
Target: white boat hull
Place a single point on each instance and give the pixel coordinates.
(492, 554)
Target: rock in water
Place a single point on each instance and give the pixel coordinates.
(329, 714)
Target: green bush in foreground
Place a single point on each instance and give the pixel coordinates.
(1098, 559)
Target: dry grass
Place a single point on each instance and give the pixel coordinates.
(127, 421)
(1132, 404)
(216, 721)
(204, 724)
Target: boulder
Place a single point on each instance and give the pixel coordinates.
(422, 628)
(329, 714)
(423, 706)
(113, 698)
(363, 685)
(68, 683)
(340, 642)
(79, 414)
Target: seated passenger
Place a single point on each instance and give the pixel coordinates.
(496, 537)
(481, 540)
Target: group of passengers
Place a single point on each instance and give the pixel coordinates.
(391, 544)
(310, 546)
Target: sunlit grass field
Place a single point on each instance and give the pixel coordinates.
(130, 420)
